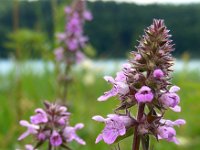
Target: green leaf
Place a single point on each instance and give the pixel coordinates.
(145, 142)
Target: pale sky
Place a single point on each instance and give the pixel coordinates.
(157, 1)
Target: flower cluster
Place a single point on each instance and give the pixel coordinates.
(51, 124)
(73, 39)
(144, 82)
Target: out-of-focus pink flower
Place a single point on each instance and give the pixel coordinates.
(40, 117)
(55, 139)
(59, 53)
(31, 129)
(79, 56)
(87, 15)
(70, 133)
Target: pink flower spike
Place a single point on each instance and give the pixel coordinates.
(31, 129)
(144, 95)
(158, 73)
(55, 139)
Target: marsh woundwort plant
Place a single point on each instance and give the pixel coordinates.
(72, 42)
(144, 84)
(51, 124)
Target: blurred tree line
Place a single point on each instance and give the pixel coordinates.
(115, 28)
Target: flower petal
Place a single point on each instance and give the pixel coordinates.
(109, 79)
(99, 138)
(98, 118)
(109, 137)
(108, 94)
(176, 108)
(174, 89)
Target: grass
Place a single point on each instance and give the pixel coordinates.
(30, 92)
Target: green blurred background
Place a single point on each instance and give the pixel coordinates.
(27, 38)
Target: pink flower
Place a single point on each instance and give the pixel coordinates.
(115, 126)
(72, 44)
(59, 53)
(63, 120)
(61, 36)
(74, 24)
(170, 123)
(40, 117)
(144, 95)
(82, 40)
(41, 136)
(79, 56)
(68, 10)
(167, 133)
(87, 15)
(171, 99)
(158, 73)
(31, 129)
(70, 133)
(137, 57)
(55, 139)
(120, 86)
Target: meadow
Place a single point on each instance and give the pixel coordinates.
(23, 92)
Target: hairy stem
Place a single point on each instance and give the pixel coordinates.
(136, 138)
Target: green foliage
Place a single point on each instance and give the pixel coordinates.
(89, 50)
(27, 43)
(115, 26)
